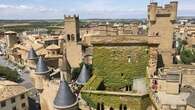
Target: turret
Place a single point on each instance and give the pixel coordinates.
(72, 28)
(174, 5)
(66, 68)
(32, 57)
(152, 11)
(83, 76)
(41, 74)
(65, 99)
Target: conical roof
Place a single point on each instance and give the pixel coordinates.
(32, 54)
(41, 67)
(64, 98)
(65, 65)
(83, 76)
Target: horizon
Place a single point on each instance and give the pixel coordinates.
(86, 9)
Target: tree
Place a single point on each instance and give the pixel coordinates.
(187, 57)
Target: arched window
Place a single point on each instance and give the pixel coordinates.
(102, 106)
(72, 37)
(121, 107)
(129, 59)
(98, 106)
(125, 107)
(68, 37)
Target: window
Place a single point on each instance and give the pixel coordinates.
(68, 37)
(129, 59)
(23, 105)
(22, 96)
(98, 106)
(72, 37)
(123, 107)
(13, 100)
(14, 108)
(3, 104)
(102, 106)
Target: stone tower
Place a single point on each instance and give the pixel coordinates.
(65, 99)
(72, 37)
(71, 27)
(11, 38)
(161, 23)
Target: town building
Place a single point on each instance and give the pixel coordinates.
(13, 96)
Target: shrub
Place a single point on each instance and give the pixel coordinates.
(9, 73)
(187, 57)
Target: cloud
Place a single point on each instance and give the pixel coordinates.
(26, 9)
(26, 12)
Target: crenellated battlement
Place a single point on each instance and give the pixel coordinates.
(169, 10)
(69, 17)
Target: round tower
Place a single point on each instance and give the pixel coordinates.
(41, 74)
(65, 99)
(32, 58)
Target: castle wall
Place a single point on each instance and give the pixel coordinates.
(74, 54)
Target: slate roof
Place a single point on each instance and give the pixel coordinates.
(65, 64)
(32, 54)
(83, 76)
(41, 67)
(64, 98)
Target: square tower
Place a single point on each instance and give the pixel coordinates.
(71, 28)
(161, 23)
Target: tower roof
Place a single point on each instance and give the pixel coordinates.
(83, 76)
(32, 54)
(65, 64)
(64, 98)
(41, 67)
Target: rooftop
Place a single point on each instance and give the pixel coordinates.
(9, 89)
(121, 39)
(170, 99)
(52, 47)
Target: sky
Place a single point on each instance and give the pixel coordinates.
(56, 9)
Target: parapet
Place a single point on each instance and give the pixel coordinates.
(69, 17)
(169, 10)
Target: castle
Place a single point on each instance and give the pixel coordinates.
(129, 71)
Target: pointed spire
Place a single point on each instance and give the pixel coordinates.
(65, 64)
(32, 54)
(41, 67)
(64, 98)
(83, 76)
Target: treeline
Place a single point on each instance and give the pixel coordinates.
(9, 74)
